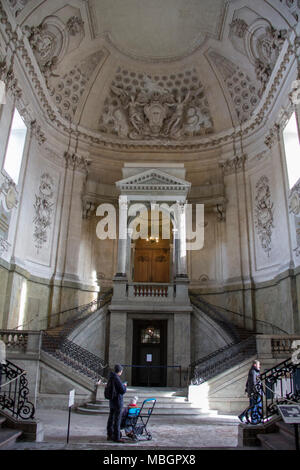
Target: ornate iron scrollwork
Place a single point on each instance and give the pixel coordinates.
(14, 392)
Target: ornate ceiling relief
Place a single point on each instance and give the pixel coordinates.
(259, 41)
(243, 91)
(141, 106)
(293, 6)
(17, 6)
(52, 39)
(68, 89)
(264, 213)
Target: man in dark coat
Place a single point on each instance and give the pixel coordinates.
(253, 413)
(115, 404)
(253, 382)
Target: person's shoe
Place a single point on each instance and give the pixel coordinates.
(121, 441)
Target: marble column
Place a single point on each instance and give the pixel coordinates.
(128, 254)
(181, 279)
(180, 240)
(123, 234)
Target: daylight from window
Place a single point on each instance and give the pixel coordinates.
(15, 147)
(292, 150)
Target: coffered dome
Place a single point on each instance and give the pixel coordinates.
(173, 74)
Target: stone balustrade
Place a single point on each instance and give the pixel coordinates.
(275, 346)
(150, 291)
(21, 341)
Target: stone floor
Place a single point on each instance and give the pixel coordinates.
(168, 432)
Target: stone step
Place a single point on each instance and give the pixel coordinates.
(276, 441)
(159, 392)
(282, 439)
(286, 429)
(156, 412)
(173, 406)
(8, 438)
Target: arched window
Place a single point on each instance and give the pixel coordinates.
(15, 147)
(292, 150)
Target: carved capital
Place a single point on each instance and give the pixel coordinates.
(233, 165)
(220, 210)
(76, 162)
(4, 245)
(37, 132)
(273, 136)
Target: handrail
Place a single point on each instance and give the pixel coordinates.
(216, 316)
(12, 380)
(70, 353)
(241, 315)
(216, 362)
(14, 399)
(266, 398)
(100, 302)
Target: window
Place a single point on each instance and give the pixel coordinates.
(15, 147)
(292, 150)
(150, 335)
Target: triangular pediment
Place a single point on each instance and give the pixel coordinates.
(153, 180)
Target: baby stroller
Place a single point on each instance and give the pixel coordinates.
(135, 423)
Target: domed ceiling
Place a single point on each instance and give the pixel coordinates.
(155, 73)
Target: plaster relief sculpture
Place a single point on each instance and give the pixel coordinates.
(68, 89)
(9, 192)
(4, 245)
(259, 41)
(17, 5)
(52, 40)
(243, 91)
(75, 25)
(43, 208)
(264, 213)
(144, 107)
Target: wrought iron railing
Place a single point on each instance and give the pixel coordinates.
(217, 312)
(216, 316)
(281, 385)
(67, 318)
(57, 343)
(217, 362)
(73, 355)
(278, 385)
(14, 392)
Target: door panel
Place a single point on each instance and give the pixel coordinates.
(152, 263)
(142, 266)
(157, 347)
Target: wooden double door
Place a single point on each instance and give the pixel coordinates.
(152, 261)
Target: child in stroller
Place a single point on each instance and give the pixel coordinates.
(126, 421)
(134, 419)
